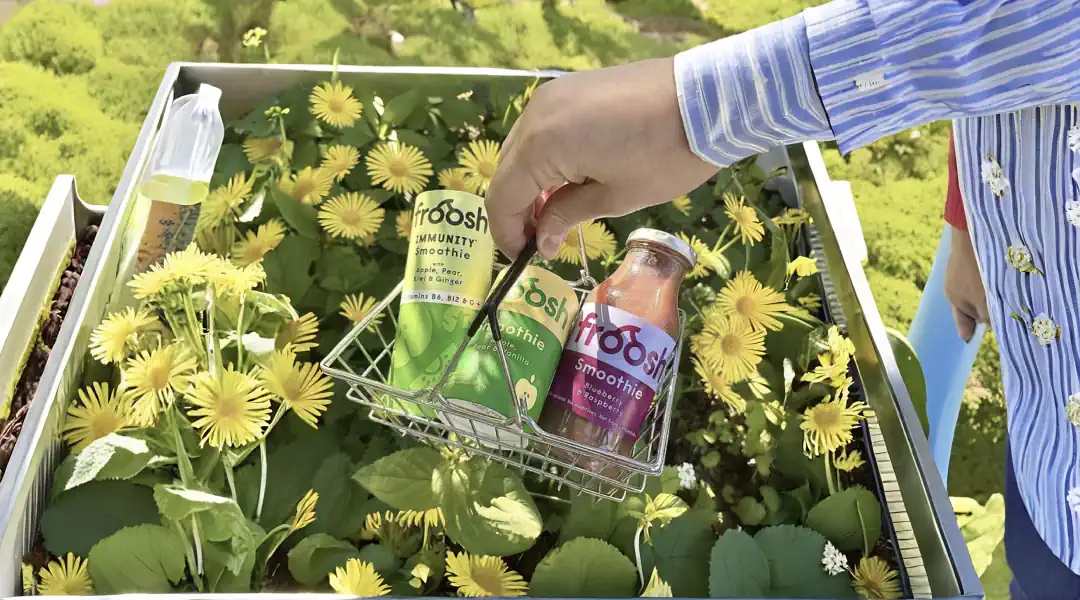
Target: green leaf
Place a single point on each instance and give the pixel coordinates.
(301, 217)
(850, 519)
(316, 556)
(788, 341)
(341, 270)
(487, 508)
(456, 112)
(290, 474)
(584, 568)
(776, 275)
(218, 558)
(814, 344)
(288, 266)
(382, 558)
(404, 479)
(681, 551)
(749, 511)
(911, 372)
(794, 555)
(359, 135)
(664, 508)
(231, 160)
(800, 496)
(738, 568)
(141, 559)
(114, 456)
(589, 517)
(114, 506)
(771, 498)
(339, 510)
(306, 154)
(400, 107)
(256, 123)
(983, 528)
(220, 518)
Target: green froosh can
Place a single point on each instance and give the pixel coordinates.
(447, 278)
(534, 318)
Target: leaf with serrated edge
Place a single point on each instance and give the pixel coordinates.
(114, 505)
(403, 479)
(737, 567)
(145, 558)
(847, 518)
(794, 555)
(681, 551)
(487, 508)
(584, 568)
(316, 556)
(114, 456)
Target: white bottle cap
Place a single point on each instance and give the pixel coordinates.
(665, 239)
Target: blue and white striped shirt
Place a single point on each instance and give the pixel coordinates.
(1006, 72)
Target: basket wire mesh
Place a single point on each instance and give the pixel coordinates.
(362, 361)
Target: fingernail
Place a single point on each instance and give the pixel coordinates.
(549, 245)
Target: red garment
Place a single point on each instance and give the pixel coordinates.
(954, 204)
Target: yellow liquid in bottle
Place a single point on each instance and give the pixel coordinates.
(171, 207)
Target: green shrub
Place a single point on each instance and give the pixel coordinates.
(153, 32)
(57, 127)
(897, 299)
(54, 35)
(19, 203)
(124, 91)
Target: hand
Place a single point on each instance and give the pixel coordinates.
(964, 287)
(604, 143)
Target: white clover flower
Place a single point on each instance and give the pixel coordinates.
(1073, 498)
(994, 176)
(1020, 258)
(1045, 330)
(687, 477)
(1072, 212)
(832, 560)
(1074, 138)
(1072, 409)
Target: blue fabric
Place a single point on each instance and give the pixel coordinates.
(1005, 71)
(1037, 573)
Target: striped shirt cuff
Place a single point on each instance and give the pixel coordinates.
(745, 94)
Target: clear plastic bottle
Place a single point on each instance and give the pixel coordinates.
(619, 348)
(179, 174)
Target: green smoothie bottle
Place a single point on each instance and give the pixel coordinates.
(534, 318)
(447, 278)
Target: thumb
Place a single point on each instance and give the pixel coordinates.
(965, 325)
(568, 206)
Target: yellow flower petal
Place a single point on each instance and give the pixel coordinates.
(359, 580)
(334, 104)
(398, 167)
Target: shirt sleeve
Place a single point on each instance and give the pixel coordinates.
(882, 66)
(747, 93)
(954, 203)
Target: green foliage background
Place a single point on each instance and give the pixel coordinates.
(76, 80)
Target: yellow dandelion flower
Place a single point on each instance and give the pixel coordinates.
(333, 103)
(340, 160)
(428, 519)
(223, 204)
(657, 588)
(152, 378)
(745, 299)
(729, 347)
(718, 388)
(190, 266)
(260, 149)
(150, 284)
(98, 413)
(456, 179)
(599, 243)
(309, 186)
(398, 167)
(848, 461)
(875, 580)
(355, 307)
(480, 159)
(69, 576)
(802, 266)
(351, 215)
(683, 204)
(828, 370)
(230, 409)
(827, 425)
(403, 224)
(305, 511)
(792, 217)
(258, 244)
(303, 388)
(359, 580)
(745, 219)
(118, 334)
(298, 334)
(483, 576)
(700, 248)
(839, 345)
(229, 279)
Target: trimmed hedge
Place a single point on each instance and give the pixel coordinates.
(20, 200)
(54, 35)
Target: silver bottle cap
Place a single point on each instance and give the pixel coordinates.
(664, 239)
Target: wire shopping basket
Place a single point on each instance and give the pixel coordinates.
(362, 360)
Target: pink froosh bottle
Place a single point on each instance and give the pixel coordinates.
(620, 346)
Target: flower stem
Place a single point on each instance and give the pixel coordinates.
(829, 473)
(240, 335)
(230, 478)
(637, 553)
(187, 473)
(193, 563)
(262, 479)
(198, 547)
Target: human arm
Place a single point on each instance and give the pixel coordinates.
(879, 67)
(963, 284)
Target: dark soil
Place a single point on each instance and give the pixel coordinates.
(39, 356)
